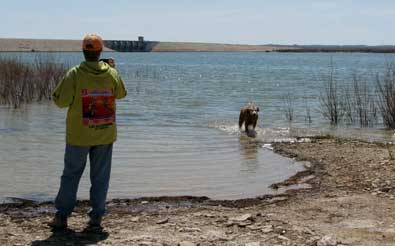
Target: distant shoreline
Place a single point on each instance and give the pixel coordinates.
(57, 45)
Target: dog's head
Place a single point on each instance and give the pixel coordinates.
(252, 109)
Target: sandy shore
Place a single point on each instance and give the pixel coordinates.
(350, 201)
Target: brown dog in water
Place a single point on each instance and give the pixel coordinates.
(249, 116)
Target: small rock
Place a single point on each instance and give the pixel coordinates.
(385, 189)
(308, 231)
(220, 220)
(209, 215)
(244, 224)
(314, 239)
(306, 164)
(242, 218)
(162, 221)
(186, 243)
(146, 244)
(229, 224)
(135, 219)
(327, 240)
(253, 244)
(278, 199)
(283, 238)
(253, 228)
(267, 229)
(190, 229)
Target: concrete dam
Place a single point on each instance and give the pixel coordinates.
(130, 45)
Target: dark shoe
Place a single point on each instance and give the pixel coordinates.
(95, 221)
(59, 222)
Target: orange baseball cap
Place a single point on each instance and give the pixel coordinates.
(92, 42)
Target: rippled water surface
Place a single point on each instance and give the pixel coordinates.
(178, 132)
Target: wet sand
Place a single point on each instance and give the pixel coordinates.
(349, 201)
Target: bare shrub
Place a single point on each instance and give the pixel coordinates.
(307, 117)
(288, 106)
(353, 103)
(348, 106)
(364, 103)
(331, 100)
(386, 96)
(28, 82)
(48, 74)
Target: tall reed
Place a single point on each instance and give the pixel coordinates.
(386, 94)
(307, 117)
(331, 99)
(364, 102)
(288, 106)
(350, 102)
(22, 82)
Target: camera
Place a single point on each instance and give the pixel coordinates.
(110, 61)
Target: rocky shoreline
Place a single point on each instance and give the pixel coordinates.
(347, 198)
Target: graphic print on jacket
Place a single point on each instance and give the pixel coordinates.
(98, 107)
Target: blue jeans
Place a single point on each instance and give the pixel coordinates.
(74, 164)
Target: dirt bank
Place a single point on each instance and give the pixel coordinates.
(40, 45)
(350, 202)
(54, 45)
(212, 47)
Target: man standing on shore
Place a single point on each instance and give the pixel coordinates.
(89, 90)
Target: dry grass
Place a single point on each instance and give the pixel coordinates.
(288, 106)
(331, 99)
(386, 94)
(22, 82)
(356, 102)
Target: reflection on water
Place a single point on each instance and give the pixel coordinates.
(249, 152)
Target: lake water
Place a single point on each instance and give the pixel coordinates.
(178, 132)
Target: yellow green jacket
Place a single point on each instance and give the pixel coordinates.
(89, 90)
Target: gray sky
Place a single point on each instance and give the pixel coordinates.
(219, 21)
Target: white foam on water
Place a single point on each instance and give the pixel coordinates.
(267, 146)
(231, 129)
(264, 135)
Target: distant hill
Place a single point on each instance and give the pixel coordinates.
(48, 45)
(58, 45)
(213, 47)
(341, 48)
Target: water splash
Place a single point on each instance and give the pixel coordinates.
(262, 135)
